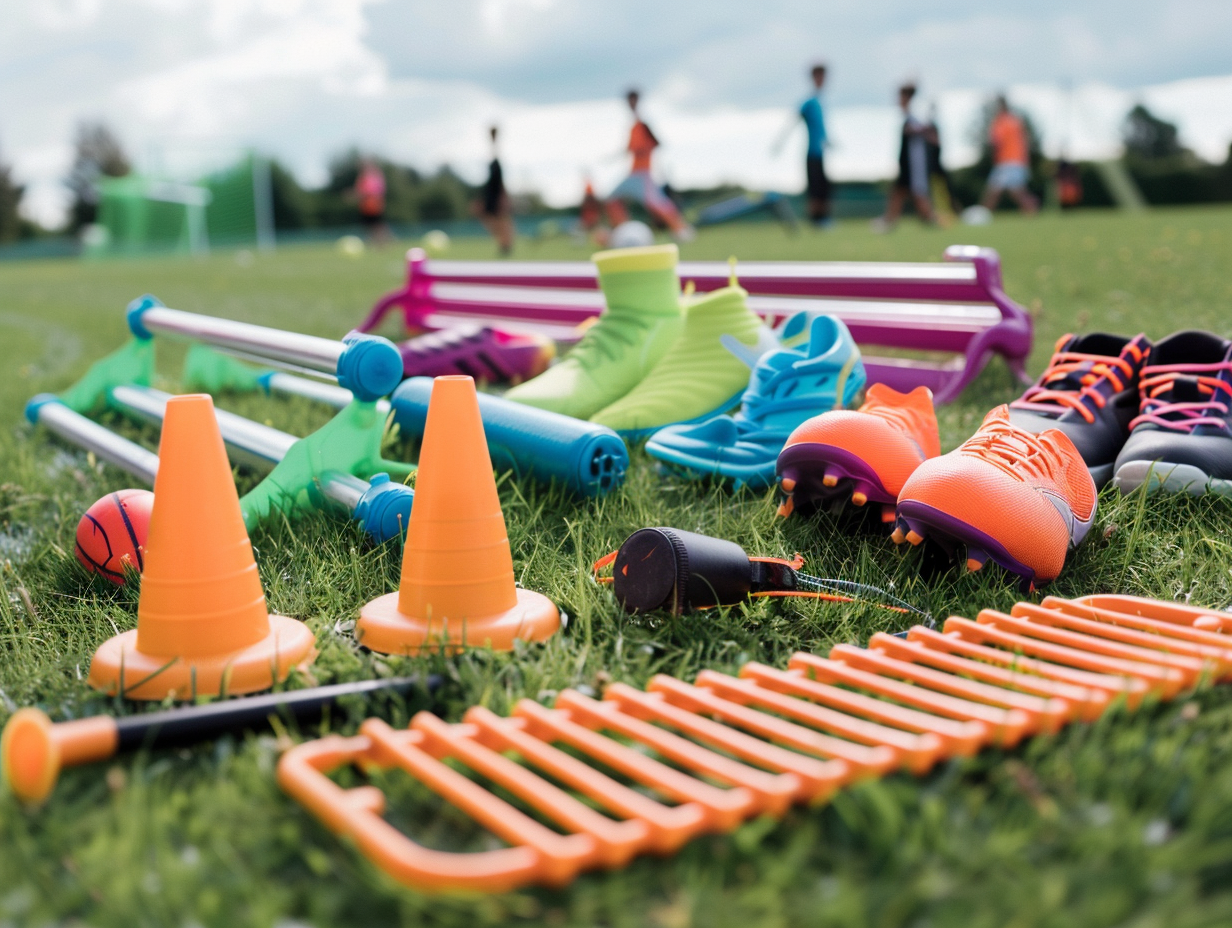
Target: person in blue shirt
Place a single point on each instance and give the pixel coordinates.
(813, 114)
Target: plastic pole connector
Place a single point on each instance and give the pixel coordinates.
(36, 403)
(133, 363)
(208, 370)
(138, 308)
(369, 366)
(589, 459)
(350, 442)
(385, 508)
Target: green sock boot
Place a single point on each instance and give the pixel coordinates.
(703, 374)
(642, 320)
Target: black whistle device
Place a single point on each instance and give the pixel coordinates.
(679, 571)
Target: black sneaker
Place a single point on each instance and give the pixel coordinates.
(1089, 392)
(1181, 440)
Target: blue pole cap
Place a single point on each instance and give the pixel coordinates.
(136, 309)
(599, 463)
(37, 403)
(384, 510)
(370, 366)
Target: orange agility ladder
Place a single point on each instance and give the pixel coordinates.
(708, 755)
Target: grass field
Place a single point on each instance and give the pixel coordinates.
(1127, 822)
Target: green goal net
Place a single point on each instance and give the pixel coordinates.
(141, 214)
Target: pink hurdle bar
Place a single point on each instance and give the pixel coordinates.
(957, 306)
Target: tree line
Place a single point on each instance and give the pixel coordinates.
(1164, 169)
(412, 195)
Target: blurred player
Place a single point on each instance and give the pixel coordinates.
(370, 198)
(639, 185)
(912, 180)
(495, 208)
(812, 112)
(1010, 160)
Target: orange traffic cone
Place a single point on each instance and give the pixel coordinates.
(202, 626)
(457, 584)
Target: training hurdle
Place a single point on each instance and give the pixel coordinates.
(957, 306)
(340, 463)
(644, 771)
(381, 506)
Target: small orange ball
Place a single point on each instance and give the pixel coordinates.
(112, 533)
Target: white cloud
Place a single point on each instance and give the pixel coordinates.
(187, 83)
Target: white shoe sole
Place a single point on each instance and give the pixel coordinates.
(1170, 478)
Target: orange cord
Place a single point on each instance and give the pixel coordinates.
(796, 562)
(604, 561)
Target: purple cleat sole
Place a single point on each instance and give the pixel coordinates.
(818, 473)
(917, 521)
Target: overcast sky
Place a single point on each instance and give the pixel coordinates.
(188, 82)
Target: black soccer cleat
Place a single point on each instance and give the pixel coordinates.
(1181, 440)
(1089, 392)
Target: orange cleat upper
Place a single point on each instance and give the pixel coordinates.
(893, 433)
(1029, 494)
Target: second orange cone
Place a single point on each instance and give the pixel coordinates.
(457, 587)
(202, 625)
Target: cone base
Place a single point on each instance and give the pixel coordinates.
(289, 644)
(381, 627)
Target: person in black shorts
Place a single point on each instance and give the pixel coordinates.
(912, 180)
(494, 207)
(812, 112)
(932, 144)
(818, 189)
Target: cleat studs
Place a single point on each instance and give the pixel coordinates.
(976, 559)
(887, 513)
(786, 507)
(897, 536)
(973, 564)
(860, 494)
(830, 479)
(788, 484)
(914, 537)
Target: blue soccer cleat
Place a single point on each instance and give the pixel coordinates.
(787, 387)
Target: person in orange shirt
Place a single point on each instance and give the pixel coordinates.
(1010, 159)
(590, 213)
(639, 185)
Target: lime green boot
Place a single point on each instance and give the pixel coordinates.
(703, 374)
(642, 320)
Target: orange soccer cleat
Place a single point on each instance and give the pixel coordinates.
(1021, 499)
(868, 453)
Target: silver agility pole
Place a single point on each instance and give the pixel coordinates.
(367, 365)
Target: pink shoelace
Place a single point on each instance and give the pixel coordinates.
(1093, 370)
(1184, 416)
